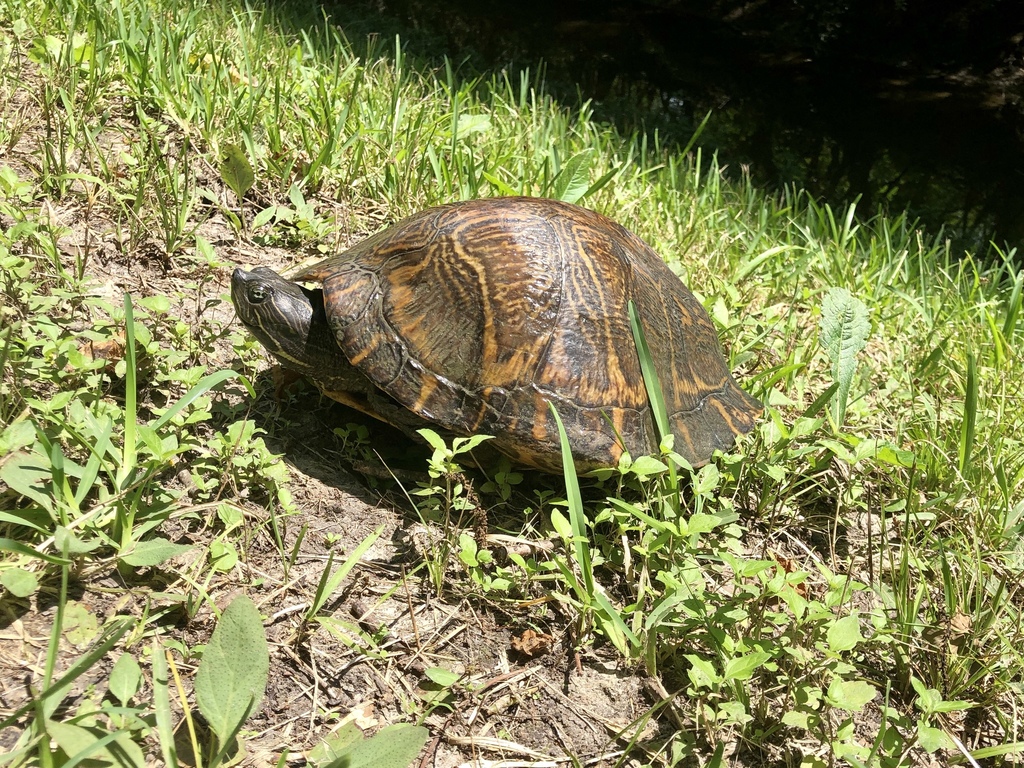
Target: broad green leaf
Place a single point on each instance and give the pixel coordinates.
(796, 719)
(572, 182)
(701, 522)
(236, 171)
(296, 197)
(840, 451)
(463, 444)
(467, 125)
(435, 440)
(125, 678)
(232, 675)
(742, 667)
(844, 634)
(223, 555)
(205, 249)
(158, 445)
(264, 216)
(230, 515)
(708, 479)
(436, 696)
(927, 698)
(844, 333)
(46, 45)
(746, 569)
(561, 525)
(468, 550)
(954, 706)
(807, 696)
(68, 542)
(442, 676)
(394, 746)
(160, 304)
(146, 554)
(732, 712)
(930, 701)
(645, 466)
(873, 448)
(18, 435)
(86, 744)
(702, 673)
(804, 426)
(19, 582)
(26, 475)
(890, 454)
(849, 695)
(720, 312)
(334, 746)
(80, 624)
(933, 739)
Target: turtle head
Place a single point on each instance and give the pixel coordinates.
(288, 319)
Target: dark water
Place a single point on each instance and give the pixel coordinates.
(936, 129)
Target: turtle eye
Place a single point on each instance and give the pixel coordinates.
(257, 293)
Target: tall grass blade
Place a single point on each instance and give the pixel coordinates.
(162, 706)
(654, 392)
(10, 545)
(614, 627)
(970, 412)
(1013, 309)
(577, 516)
(330, 582)
(696, 134)
(130, 397)
(606, 615)
(204, 385)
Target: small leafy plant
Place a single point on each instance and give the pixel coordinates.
(844, 333)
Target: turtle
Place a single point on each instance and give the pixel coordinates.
(472, 317)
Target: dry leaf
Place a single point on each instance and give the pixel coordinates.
(532, 644)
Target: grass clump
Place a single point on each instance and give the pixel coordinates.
(845, 590)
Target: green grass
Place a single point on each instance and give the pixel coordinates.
(844, 590)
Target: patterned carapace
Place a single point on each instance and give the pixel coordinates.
(475, 315)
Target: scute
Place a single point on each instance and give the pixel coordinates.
(475, 315)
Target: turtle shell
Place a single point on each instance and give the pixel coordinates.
(476, 315)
